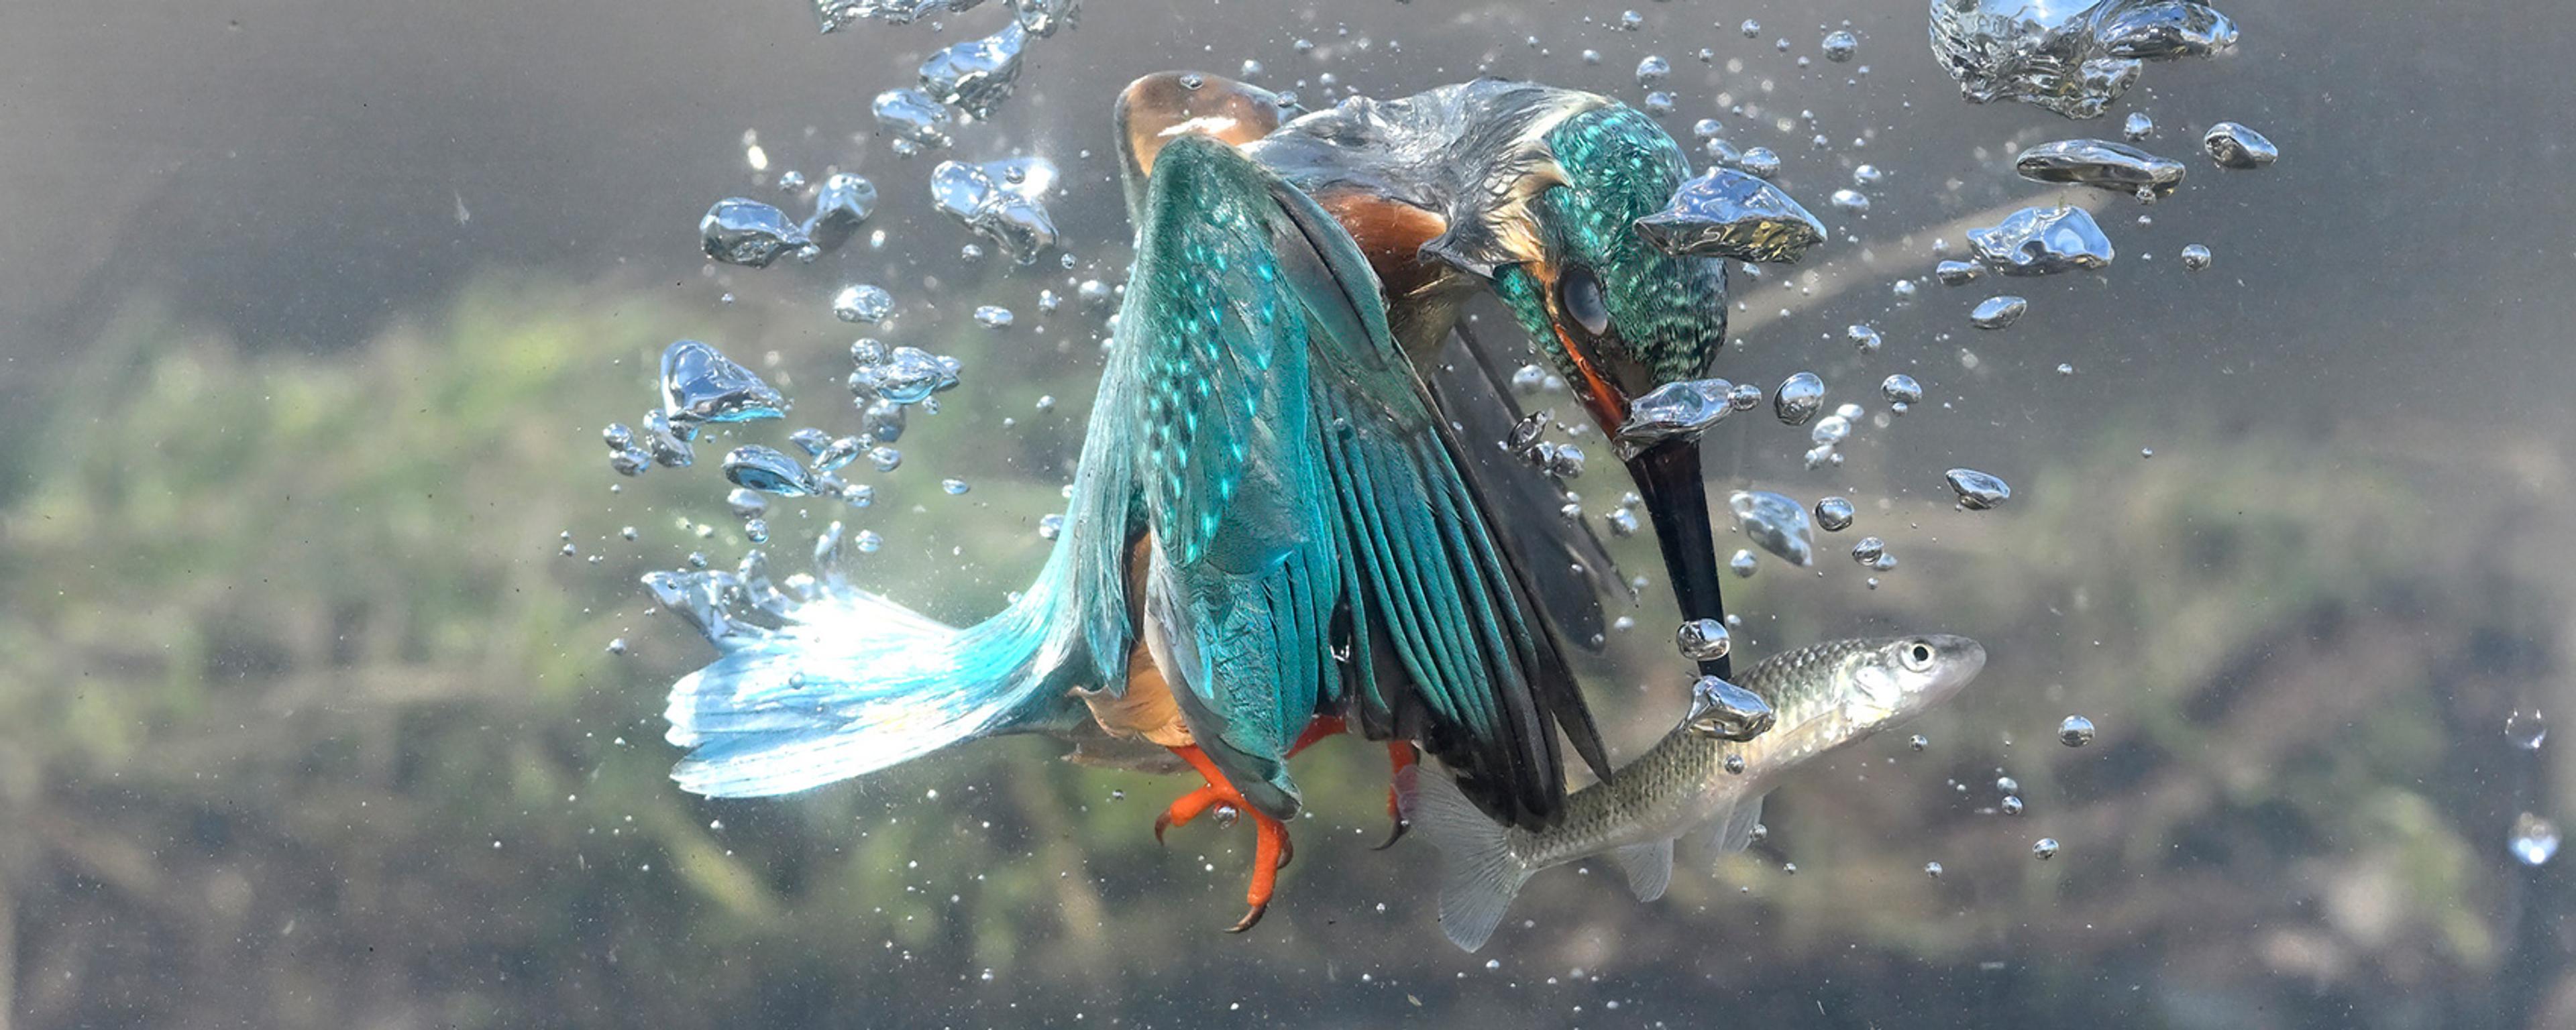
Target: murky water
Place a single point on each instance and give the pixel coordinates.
(340, 687)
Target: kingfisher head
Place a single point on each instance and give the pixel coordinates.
(1556, 237)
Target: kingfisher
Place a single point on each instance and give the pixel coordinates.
(1279, 525)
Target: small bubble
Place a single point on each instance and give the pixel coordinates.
(1735, 764)
(2076, 731)
(1932, 869)
(1918, 742)
(617, 646)
(1840, 45)
(2012, 805)
(2526, 729)
(2044, 849)
(993, 316)
(2195, 257)
(2535, 839)
(1834, 514)
(954, 486)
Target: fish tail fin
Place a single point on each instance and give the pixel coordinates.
(1479, 873)
(855, 682)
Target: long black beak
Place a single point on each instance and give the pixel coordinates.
(1668, 477)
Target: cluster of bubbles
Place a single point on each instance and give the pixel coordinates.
(753, 234)
(2076, 58)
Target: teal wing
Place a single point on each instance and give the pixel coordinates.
(1243, 580)
(1302, 494)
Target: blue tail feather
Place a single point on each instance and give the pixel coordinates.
(855, 682)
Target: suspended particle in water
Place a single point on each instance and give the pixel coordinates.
(1834, 514)
(2012, 805)
(1704, 640)
(1840, 45)
(2535, 839)
(2195, 257)
(2526, 729)
(863, 303)
(1977, 491)
(2075, 731)
(1998, 312)
(2044, 849)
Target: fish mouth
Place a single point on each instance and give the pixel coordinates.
(1956, 661)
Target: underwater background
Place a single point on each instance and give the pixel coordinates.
(314, 311)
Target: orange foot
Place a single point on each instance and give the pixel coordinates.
(1271, 850)
(1399, 754)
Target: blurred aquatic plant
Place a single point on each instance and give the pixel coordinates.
(307, 723)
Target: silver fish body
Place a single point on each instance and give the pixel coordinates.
(1826, 696)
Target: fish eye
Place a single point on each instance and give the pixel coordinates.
(1578, 294)
(1917, 656)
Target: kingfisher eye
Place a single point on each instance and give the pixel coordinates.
(1578, 294)
(1918, 656)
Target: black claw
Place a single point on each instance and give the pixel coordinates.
(1250, 918)
(1397, 834)
(1161, 823)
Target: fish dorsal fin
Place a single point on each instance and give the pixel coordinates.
(1649, 867)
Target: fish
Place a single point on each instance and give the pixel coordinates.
(1826, 696)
